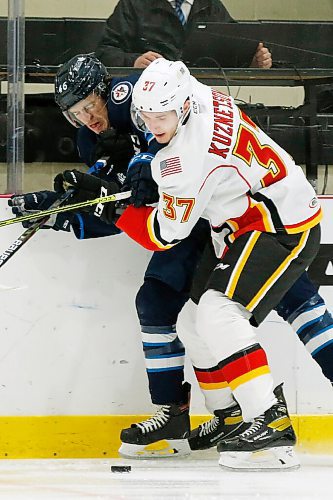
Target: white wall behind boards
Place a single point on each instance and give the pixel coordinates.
(69, 337)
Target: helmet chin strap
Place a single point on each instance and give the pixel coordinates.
(72, 121)
(183, 119)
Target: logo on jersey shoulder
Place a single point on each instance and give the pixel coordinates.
(222, 266)
(314, 202)
(121, 92)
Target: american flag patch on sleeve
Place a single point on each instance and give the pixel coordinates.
(170, 166)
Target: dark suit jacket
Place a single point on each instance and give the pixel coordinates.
(137, 26)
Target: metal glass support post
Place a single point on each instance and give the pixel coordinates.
(15, 95)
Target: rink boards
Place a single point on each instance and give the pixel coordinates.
(72, 372)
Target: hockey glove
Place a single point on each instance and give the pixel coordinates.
(140, 181)
(117, 148)
(89, 187)
(34, 202)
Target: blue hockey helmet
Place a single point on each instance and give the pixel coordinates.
(78, 78)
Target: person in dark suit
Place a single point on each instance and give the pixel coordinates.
(139, 31)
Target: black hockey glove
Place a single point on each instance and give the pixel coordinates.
(28, 203)
(89, 187)
(117, 148)
(140, 181)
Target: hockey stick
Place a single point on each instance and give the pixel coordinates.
(66, 208)
(28, 233)
(35, 226)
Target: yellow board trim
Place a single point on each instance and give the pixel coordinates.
(97, 436)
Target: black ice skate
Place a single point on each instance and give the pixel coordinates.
(224, 425)
(165, 434)
(266, 444)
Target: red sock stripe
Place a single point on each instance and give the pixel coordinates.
(245, 364)
(209, 376)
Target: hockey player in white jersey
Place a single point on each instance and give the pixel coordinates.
(264, 216)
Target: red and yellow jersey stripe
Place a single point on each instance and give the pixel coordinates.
(305, 224)
(142, 226)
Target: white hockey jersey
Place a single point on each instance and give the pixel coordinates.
(220, 166)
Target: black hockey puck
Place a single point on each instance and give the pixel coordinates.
(121, 468)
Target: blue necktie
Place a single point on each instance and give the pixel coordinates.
(179, 12)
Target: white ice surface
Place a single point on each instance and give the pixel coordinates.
(196, 477)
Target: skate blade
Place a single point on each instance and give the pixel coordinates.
(161, 449)
(280, 458)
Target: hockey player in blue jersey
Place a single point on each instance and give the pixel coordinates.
(99, 106)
